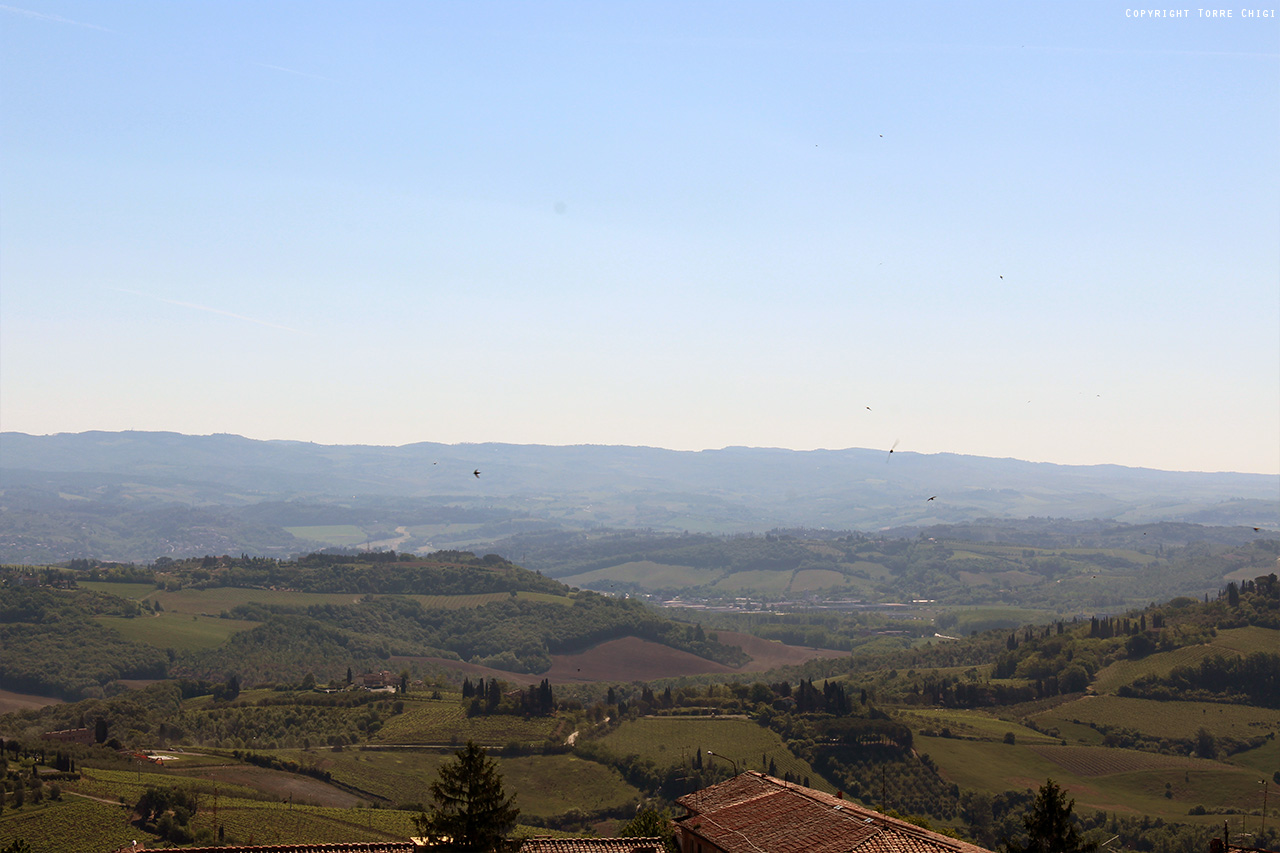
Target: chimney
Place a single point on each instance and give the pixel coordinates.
(839, 795)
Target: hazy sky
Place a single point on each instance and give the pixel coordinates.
(1049, 231)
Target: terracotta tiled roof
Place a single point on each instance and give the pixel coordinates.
(591, 845)
(352, 847)
(755, 813)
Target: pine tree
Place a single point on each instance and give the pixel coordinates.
(1050, 828)
(471, 811)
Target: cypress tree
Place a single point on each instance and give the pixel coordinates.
(1050, 828)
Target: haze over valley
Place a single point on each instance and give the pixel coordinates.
(138, 496)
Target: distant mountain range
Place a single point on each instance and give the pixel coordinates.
(136, 496)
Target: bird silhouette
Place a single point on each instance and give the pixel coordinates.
(477, 473)
(891, 449)
(934, 497)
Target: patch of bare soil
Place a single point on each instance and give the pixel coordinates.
(277, 783)
(767, 654)
(628, 659)
(521, 678)
(24, 701)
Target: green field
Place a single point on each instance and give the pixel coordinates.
(974, 725)
(444, 722)
(1118, 780)
(130, 784)
(74, 825)
(648, 575)
(180, 631)
(134, 591)
(458, 602)
(1241, 641)
(79, 825)
(672, 741)
(807, 580)
(1165, 719)
(331, 534)
(545, 785)
(255, 823)
(1247, 640)
(214, 601)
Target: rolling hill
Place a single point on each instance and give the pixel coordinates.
(134, 496)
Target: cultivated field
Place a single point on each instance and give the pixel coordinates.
(402, 776)
(74, 825)
(134, 591)
(10, 701)
(1122, 672)
(628, 659)
(1165, 719)
(215, 601)
(1106, 761)
(444, 722)
(1237, 641)
(180, 631)
(331, 534)
(255, 822)
(672, 741)
(769, 654)
(647, 575)
(1124, 781)
(459, 602)
(974, 725)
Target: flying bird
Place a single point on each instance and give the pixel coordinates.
(891, 449)
(934, 497)
(477, 473)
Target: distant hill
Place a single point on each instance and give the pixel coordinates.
(139, 495)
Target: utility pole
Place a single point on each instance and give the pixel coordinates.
(1263, 831)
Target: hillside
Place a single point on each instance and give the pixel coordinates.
(955, 733)
(1054, 566)
(321, 616)
(138, 495)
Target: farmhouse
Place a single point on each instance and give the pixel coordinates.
(83, 735)
(378, 680)
(755, 813)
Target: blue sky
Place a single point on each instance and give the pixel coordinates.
(686, 225)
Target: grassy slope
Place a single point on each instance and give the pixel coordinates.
(1166, 719)
(672, 741)
(179, 631)
(404, 776)
(1107, 785)
(74, 825)
(444, 721)
(1232, 641)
